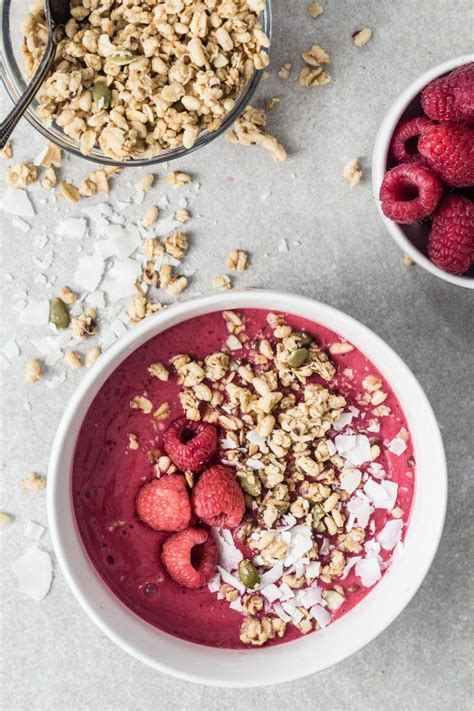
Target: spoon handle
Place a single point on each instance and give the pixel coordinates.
(9, 123)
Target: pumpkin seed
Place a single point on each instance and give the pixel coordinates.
(59, 314)
(317, 515)
(123, 58)
(320, 528)
(251, 485)
(101, 95)
(248, 574)
(303, 338)
(298, 357)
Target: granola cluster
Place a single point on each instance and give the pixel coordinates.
(140, 76)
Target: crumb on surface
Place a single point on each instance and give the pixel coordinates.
(237, 261)
(315, 9)
(407, 260)
(7, 151)
(361, 37)
(151, 216)
(91, 356)
(33, 482)
(72, 360)
(69, 192)
(284, 71)
(221, 282)
(5, 518)
(178, 178)
(353, 172)
(144, 183)
(32, 371)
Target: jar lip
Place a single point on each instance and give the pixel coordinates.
(14, 83)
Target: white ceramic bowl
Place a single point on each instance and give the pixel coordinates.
(255, 667)
(412, 238)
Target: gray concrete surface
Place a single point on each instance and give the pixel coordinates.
(53, 657)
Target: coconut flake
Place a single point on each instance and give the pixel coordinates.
(286, 593)
(229, 555)
(376, 470)
(355, 448)
(350, 479)
(281, 612)
(236, 605)
(254, 438)
(74, 227)
(390, 534)
(96, 300)
(360, 506)
(214, 583)
(383, 495)
(308, 597)
(21, 224)
(121, 241)
(34, 571)
(56, 380)
(34, 530)
(313, 569)
(89, 272)
(11, 349)
(107, 336)
(368, 570)
(254, 464)
(322, 616)
(288, 521)
(233, 343)
(350, 562)
(17, 202)
(271, 592)
(272, 575)
(397, 446)
(344, 419)
(35, 314)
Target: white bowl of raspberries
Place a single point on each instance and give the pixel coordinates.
(423, 171)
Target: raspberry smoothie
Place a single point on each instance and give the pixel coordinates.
(317, 476)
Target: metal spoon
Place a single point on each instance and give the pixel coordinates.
(57, 14)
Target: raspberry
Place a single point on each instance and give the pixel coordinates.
(451, 98)
(404, 143)
(189, 444)
(164, 504)
(218, 499)
(409, 192)
(451, 241)
(190, 557)
(449, 151)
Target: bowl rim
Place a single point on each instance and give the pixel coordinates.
(298, 658)
(379, 161)
(56, 136)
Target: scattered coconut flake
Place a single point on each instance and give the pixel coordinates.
(288, 521)
(308, 597)
(228, 444)
(56, 380)
(350, 479)
(47, 260)
(344, 419)
(300, 544)
(17, 202)
(360, 506)
(40, 156)
(121, 241)
(254, 464)
(36, 313)
(34, 571)
(374, 427)
(122, 278)
(322, 616)
(283, 245)
(281, 612)
(34, 530)
(334, 600)
(139, 197)
(11, 349)
(355, 448)
(21, 224)
(166, 259)
(350, 562)
(74, 227)
(376, 470)
(96, 300)
(236, 605)
(233, 343)
(229, 554)
(272, 575)
(214, 583)
(286, 593)
(89, 272)
(390, 534)
(107, 336)
(313, 569)
(368, 570)
(397, 552)
(271, 592)
(383, 495)
(397, 446)
(254, 438)
(165, 226)
(231, 579)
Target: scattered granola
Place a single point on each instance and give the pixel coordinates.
(49, 179)
(33, 482)
(133, 442)
(150, 216)
(67, 295)
(315, 9)
(407, 260)
(7, 151)
(32, 371)
(21, 175)
(182, 215)
(313, 74)
(353, 172)
(140, 402)
(69, 192)
(361, 37)
(177, 178)
(145, 182)
(84, 325)
(237, 261)
(284, 71)
(221, 282)
(249, 129)
(72, 360)
(91, 356)
(52, 157)
(271, 103)
(5, 518)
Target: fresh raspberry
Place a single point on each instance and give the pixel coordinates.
(409, 192)
(164, 504)
(190, 557)
(449, 150)
(451, 241)
(451, 98)
(218, 499)
(404, 143)
(191, 445)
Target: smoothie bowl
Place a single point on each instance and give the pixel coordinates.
(247, 489)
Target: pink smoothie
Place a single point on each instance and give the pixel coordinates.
(107, 476)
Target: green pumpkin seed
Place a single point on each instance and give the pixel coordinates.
(123, 58)
(320, 528)
(248, 574)
(303, 338)
(298, 357)
(251, 485)
(101, 95)
(317, 515)
(59, 314)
